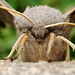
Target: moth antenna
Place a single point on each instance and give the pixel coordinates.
(57, 24)
(17, 13)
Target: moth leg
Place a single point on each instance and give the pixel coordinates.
(68, 43)
(67, 54)
(21, 47)
(15, 46)
(19, 57)
(50, 45)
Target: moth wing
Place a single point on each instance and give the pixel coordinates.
(6, 16)
(71, 15)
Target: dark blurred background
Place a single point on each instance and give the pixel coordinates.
(8, 34)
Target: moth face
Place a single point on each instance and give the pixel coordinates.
(39, 32)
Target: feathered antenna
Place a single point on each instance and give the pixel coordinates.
(17, 13)
(57, 24)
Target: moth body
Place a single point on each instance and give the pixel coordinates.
(36, 48)
(44, 32)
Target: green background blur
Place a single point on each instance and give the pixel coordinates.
(8, 34)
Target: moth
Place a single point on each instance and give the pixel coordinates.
(43, 32)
